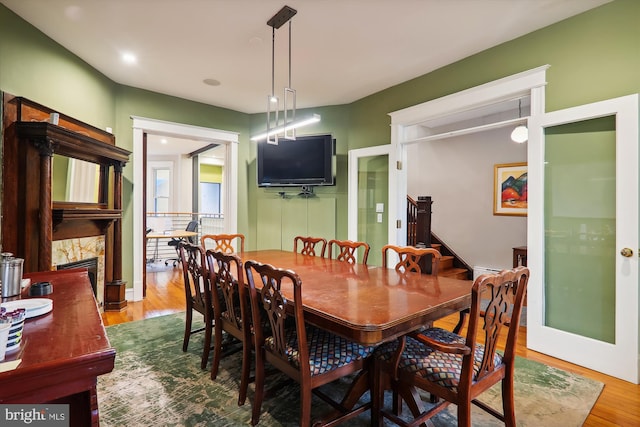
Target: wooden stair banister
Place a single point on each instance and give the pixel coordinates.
(419, 234)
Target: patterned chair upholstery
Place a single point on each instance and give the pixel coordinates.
(310, 355)
(436, 366)
(453, 368)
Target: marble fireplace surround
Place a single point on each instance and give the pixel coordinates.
(79, 249)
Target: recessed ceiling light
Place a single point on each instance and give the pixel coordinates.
(129, 58)
(211, 82)
(163, 141)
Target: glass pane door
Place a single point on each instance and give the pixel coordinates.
(580, 224)
(373, 194)
(370, 214)
(583, 236)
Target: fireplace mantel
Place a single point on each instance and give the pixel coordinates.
(31, 219)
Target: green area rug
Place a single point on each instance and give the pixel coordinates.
(155, 384)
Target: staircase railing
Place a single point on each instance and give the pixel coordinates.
(419, 231)
(419, 221)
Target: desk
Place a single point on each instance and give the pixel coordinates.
(63, 351)
(173, 234)
(368, 305)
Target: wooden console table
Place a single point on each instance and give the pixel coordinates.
(63, 351)
(519, 256)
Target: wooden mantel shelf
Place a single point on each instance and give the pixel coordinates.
(80, 222)
(73, 144)
(60, 215)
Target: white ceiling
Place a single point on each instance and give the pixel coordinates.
(342, 50)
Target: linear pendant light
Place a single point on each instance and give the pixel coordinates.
(289, 125)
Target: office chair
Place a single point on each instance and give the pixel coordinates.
(191, 226)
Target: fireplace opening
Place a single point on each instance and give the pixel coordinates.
(91, 264)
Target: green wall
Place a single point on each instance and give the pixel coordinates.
(35, 67)
(593, 56)
(210, 173)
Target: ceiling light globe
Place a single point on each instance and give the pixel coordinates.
(520, 134)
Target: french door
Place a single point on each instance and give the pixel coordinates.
(583, 236)
(372, 210)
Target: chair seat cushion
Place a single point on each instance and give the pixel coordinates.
(435, 366)
(327, 351)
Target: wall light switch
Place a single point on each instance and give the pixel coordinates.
(379, 217)
(379, 208)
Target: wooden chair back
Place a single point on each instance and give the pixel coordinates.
(227, 243)
(347, 250)
(292, 346)
(197, 293)
(410, 257)
(480, 366)
(312, 246)
(231, 312)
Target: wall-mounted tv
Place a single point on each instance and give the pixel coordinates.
(307, 160)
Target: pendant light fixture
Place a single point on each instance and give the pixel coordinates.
(520, 134)
(289, 123)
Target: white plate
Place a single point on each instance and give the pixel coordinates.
(33, 306)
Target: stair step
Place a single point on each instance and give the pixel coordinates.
(455, 273)
(446, 262)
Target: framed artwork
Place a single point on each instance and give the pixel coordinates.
(510, 189)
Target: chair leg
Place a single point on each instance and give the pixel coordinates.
(464, 414)
(305, 406)
(217, 350)
(208, 331)
(396, 403)
(187, 329)
(244, 379)
(378, 383)
(508, 405)
(259, 388)
(460, 324)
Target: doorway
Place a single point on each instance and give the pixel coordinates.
(143, 126)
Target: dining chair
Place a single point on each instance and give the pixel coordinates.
(454, 368)
(347, 250)
(310, 245)
(410, 258)
(227, 243)
(191, 226)
(197, 292)
(310, 355)
(231, 312)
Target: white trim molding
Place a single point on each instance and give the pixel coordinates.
(142, 125)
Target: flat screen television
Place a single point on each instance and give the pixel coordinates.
(306, 161)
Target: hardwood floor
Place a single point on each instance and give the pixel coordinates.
(618, 405)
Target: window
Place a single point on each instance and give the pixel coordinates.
(210, 197)
(161, 189)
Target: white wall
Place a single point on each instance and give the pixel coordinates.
(458, 174)
(182, 181)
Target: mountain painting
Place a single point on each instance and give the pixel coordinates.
(510, 189)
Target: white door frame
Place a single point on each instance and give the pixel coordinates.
(405, 123)
(142, 125)
(619, 359)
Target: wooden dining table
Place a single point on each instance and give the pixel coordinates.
(367, 304)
